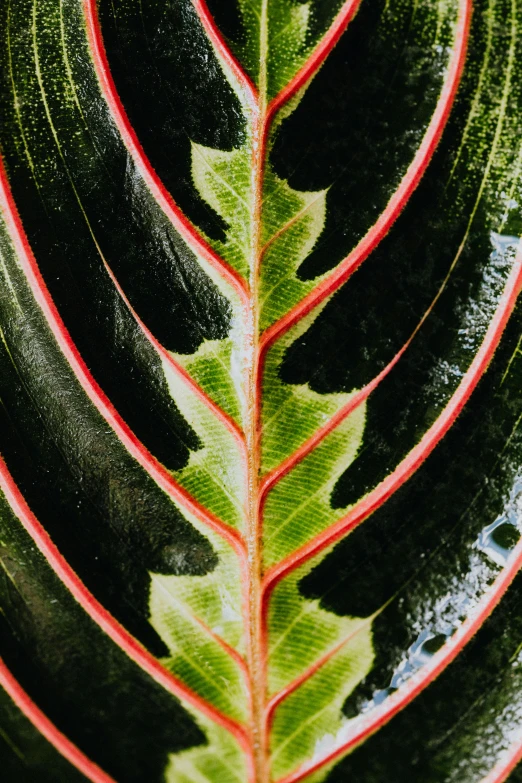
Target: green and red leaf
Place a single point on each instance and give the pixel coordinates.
(260, 390)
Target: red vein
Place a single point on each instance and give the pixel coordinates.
(399, 199)
(52, 734)
(299, 454)
(254, 614)
(317, 57)
(231, 651)
(136, 449)
(287, 691)
(122, 638)
(419, 453)
(218, 412)
(263, 116)
(288, 225)
(223, 50)
(141, 161)
(228, 649)
(503, 768)
(378, 717)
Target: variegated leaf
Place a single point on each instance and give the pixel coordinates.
(259, 267)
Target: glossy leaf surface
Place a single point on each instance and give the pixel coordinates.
(260, 373)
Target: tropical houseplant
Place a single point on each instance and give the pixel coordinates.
(260, 391)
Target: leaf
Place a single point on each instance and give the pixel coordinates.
(25, 749)
(259, 391)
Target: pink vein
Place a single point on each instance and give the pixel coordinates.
(139, 156)
(420, 452)
(307, 70)
(366, 246)
(151, 465)
(317, 57)
(283, 469)
(299, 454)
(218, 412)
(287, 691)
(233, 653)
(396, 702)
(52, 734)
(142, 163)
(223, 50)
(506, 765)
(102, 617)
(289, 224)
(399, 199)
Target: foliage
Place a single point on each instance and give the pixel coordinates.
(261, 458)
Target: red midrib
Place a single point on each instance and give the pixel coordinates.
(96, 611)
(328, 285)
(258, 610)
(390, 485)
